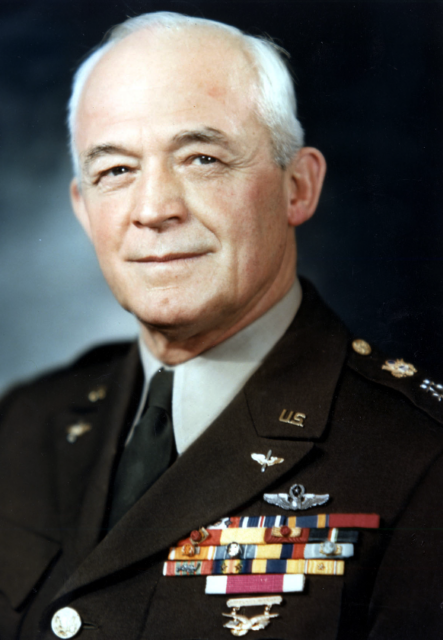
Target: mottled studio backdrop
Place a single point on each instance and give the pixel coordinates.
(370, 83)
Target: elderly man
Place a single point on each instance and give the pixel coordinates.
(247, 444)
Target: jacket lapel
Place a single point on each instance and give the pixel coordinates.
(84, 467)
(216, 476)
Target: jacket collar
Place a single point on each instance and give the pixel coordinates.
(216, 476)
(301, 373)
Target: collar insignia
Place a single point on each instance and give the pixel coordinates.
(292, 417)
(399, 368)
(74, 431)
(266, 461)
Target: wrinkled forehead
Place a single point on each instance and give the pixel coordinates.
(170, 71)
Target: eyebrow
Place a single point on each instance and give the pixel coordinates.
(104, 150)
(207, 135)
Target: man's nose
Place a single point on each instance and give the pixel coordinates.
(160, 198)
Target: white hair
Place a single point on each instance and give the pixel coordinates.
(276, 104)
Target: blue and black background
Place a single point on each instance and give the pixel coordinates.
(370, 89)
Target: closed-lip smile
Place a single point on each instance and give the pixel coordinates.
(169, 257)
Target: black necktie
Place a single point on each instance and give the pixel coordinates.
(149, 452)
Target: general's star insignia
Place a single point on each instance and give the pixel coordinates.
(435, 389)
(399, 368)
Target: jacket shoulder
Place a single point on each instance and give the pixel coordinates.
(102, 354)
(422, 389)
(101, 358)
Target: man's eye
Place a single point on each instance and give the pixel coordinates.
(204, 160)
(106, 177)
(117, 171)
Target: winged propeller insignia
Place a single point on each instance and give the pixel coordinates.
(296, 499)
(266, 461)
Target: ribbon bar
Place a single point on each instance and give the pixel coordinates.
(274, 535)
(360, 520)
(236, 567)
(266, 551)
(254, 584)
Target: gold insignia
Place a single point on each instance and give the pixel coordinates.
(76, 430)
(99, 393)
(361, 347)
(399, 368)
(292, 418)
(266, 461)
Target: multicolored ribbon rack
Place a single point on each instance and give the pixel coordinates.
(267, 553)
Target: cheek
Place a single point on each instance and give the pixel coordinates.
(249, 207)
(263, 217)
(107, 229)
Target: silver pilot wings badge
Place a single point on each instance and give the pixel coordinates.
(296, 499)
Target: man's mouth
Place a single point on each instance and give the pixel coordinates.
(170, 257)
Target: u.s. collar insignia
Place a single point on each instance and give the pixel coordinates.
(297, 499)
(399, 368)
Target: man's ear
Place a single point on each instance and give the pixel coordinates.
(78, 204)
(306, 173)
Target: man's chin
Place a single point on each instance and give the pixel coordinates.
(179, 323)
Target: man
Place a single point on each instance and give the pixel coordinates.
(190, 179)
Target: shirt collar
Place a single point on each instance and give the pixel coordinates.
(206, 384)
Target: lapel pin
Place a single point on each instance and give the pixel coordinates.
(297, 499)
(266, 461)
(240, 625)
(77, 430)
(399, 368)
(293, 417)
(99, 393)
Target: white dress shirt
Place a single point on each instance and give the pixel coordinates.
(206, 384)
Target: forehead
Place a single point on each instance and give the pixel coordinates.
(166, 80)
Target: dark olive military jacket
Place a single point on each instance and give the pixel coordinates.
(370, 440)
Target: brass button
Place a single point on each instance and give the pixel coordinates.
(361, 347)
(66, 623)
